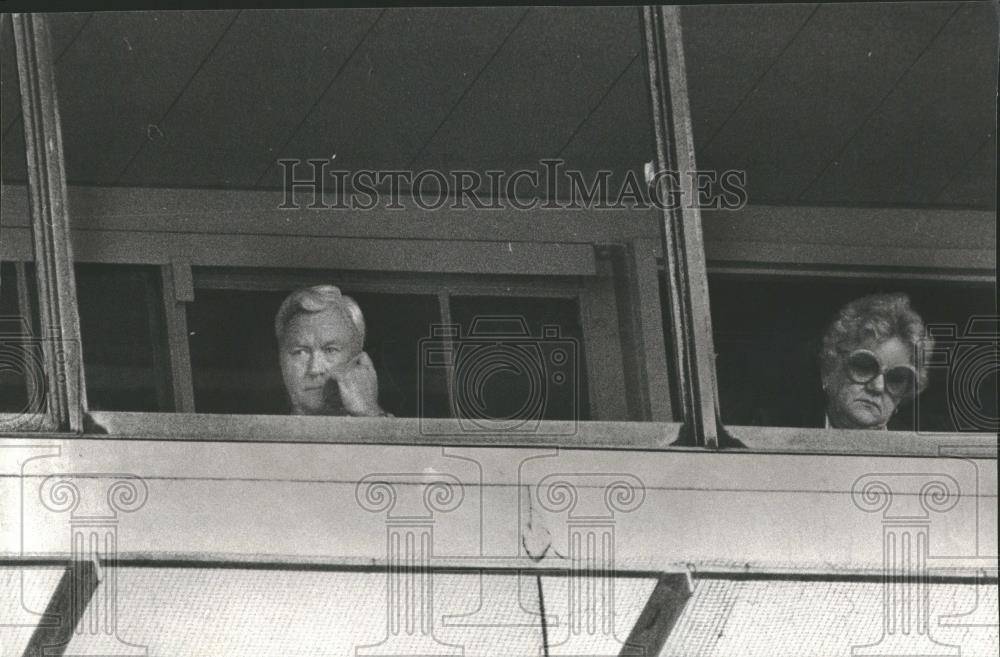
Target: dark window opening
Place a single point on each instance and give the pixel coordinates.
(234, 352)
(124, 347)
(768, 334)
(519, 358)
(22, 367)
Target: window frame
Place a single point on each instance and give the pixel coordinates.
(771, 470)
(59, 322)
(685, 274)
(620, 261)
(107, 240)
(443, 288)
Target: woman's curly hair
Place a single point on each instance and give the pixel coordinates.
(870, 320)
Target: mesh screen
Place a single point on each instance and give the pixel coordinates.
(220, 611)
(592, 616)
(201, 612)
(773, 618)
(24, 595)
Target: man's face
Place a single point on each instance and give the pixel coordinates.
(868, 405)
(316, 348)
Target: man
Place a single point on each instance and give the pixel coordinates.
(321, 336)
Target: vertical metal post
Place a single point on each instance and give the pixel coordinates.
(25, 307)
(445, 333)
(60, 323)
(642, 268)
(178, 291)
(94, 503)
(67, 606)
(683, 248)
(659, 616)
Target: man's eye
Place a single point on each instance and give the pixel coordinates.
(298, 352)
(332, 350)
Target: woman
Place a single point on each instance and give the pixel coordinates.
(869, 363)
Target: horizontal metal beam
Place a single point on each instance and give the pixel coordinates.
(389, 431)
(302, 252)
(932, 241)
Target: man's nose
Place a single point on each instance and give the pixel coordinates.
(318, 365)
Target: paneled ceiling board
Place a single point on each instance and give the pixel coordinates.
(268, 70)
(63, 29)
(542, 85)
(617, 136)
(727, 48)
(119, 77)
(13, 167)
(619, 133)
(10, 94)
(975, 185)
(399, 86)
(819, 92)
(931, 125)
(12, 161)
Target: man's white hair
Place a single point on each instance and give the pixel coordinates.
(317, 299)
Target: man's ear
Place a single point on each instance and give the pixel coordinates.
(358, 343)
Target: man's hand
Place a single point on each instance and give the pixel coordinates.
(358, 386)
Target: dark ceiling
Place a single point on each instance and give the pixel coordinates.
(848, 104)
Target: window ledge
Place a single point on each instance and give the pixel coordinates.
(25, 422)
(563, 434)
(393, 431)
(870, 443)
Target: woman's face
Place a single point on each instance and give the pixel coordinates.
(852, 405)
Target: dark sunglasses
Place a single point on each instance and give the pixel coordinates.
(863, 366)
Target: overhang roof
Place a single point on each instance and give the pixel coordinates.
(888, 104)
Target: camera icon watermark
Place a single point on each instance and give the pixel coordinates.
(503, 379)
(455, 579)
(22, 367)
(969, 359)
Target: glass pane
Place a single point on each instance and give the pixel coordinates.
(179, 611)
(768, 334)
(519, 359)
(121, 325)
(234, 352)
(748, 618)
